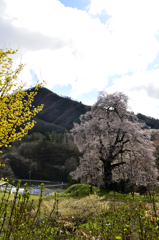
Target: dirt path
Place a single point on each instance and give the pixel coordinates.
(11, 198)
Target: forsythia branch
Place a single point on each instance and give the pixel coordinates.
(15, 104)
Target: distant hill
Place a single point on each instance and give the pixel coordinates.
(150, 121)
(58, 113)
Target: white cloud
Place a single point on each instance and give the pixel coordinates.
(143, 91)
(70, 46)
(134, 25)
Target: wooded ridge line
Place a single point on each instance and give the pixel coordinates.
(59, 113)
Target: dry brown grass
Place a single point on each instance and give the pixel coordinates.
(75, 210)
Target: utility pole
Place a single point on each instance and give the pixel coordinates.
(30, 177)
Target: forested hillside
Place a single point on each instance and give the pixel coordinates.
(58, 113)
(48, 151)
(150, 121)
(49, 157)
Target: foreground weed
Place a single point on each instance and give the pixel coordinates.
(92, 217)
(19, 220)
(126, 221)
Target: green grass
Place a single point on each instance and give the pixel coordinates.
(76, 214)
(83, 190)
(78, 190)
(2, 193)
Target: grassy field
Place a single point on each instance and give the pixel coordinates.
(83, 190)
(77, 214)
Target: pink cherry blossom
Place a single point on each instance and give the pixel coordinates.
(115, 145)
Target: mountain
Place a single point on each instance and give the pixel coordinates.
(150, 121)
(58, 113)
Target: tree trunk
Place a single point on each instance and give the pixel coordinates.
(108, 172)
(107, 175)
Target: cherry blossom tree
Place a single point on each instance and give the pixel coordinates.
(111, 136)
(137, 171)
(89, 171)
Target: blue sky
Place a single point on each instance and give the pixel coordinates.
(79, 4)
(83, 5)
(81, 47)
